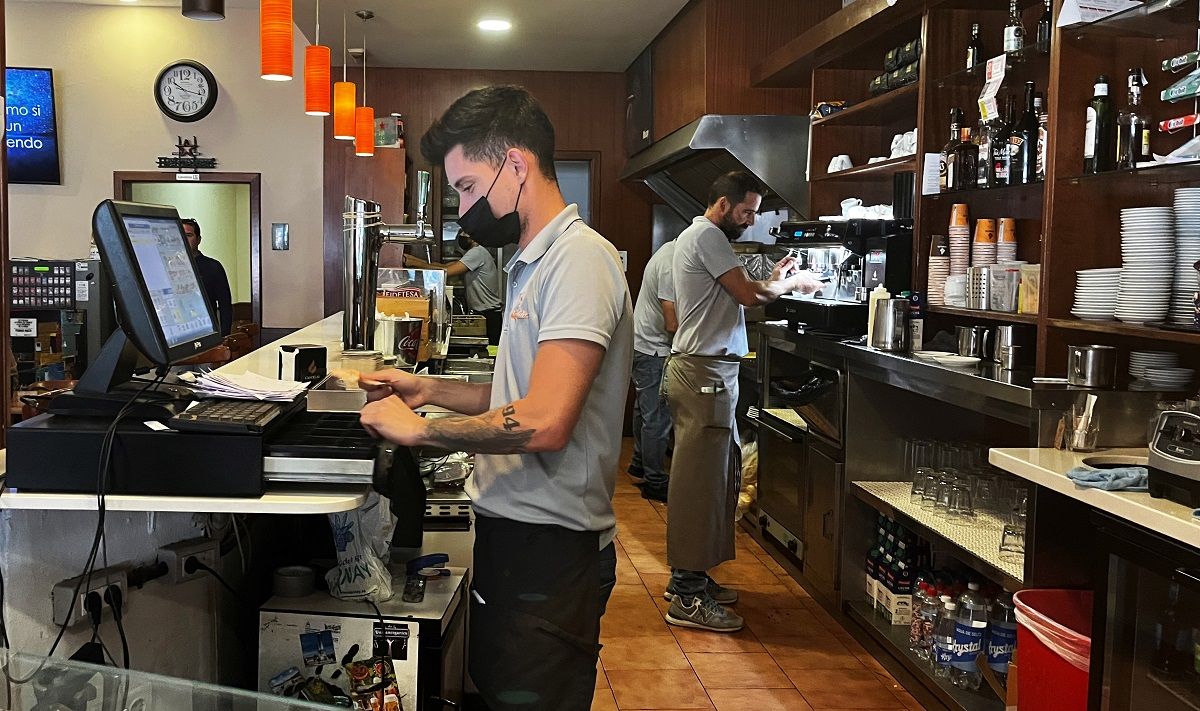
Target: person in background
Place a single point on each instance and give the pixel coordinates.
(212, 274)
(654, 324)
(711, 289)
(547, 430)
(479, 273)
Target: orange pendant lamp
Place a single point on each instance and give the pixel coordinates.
(343, 99)
(364, 117)
(317, 100)
(275, 39)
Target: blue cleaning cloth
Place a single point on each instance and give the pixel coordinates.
(1120, 479)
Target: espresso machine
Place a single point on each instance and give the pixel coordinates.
(363, 235)
(853, 257)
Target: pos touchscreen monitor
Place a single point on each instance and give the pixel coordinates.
(161, 304)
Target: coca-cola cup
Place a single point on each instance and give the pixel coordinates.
(408, 340)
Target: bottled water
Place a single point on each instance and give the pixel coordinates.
(943, 639)
(1002, 635)
(970, 630)
(925, 612)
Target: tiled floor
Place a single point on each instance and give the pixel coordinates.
(792, 656)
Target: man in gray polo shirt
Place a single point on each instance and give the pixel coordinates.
(653, 326)
(480, 277)
(547, 430)
(711, 289)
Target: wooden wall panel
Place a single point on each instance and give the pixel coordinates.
(679, 62)
(588, 114)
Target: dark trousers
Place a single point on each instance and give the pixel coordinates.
(651, 420)
(538, 593)
(495, 324)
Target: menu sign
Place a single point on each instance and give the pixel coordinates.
(994, 78)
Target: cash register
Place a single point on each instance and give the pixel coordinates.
(122, 434)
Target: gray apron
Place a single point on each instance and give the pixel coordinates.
(706, 468)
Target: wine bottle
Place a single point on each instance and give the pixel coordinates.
(1014, 31)
(1045, 27)
(1039, 103)
(983, 163)
(974, 48)
(1133, 125)
(946, 168)
(1023, 140)
(1002, 148)
(1100, 132)
(966, 158)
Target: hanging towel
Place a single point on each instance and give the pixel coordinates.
(1119, 479)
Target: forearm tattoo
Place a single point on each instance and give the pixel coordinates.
(495, 432)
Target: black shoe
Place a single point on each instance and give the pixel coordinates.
(654, 493)
(637, 475)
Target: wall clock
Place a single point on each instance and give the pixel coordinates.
(185, 90)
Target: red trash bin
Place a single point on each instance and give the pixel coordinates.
(1054, 646)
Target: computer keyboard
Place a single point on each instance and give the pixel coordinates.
(228, 416)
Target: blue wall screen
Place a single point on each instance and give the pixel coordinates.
(31, 134)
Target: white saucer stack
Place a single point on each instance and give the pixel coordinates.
(1096, 294)
(1171, 378)
(1187, 253)
(1139, 361)
(1148, 264)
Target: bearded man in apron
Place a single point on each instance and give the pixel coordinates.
(711, 289)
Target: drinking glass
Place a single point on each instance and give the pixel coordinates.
(959, 508)
(986, 497)
(924, 479)
(1012, 543)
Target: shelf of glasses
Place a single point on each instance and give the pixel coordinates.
(977, 543)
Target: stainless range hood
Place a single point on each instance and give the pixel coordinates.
(680, 167)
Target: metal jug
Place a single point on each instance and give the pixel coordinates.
(973, 341)
(891, 325)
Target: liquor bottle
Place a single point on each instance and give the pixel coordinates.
(1100, 133)
(974, 48)
(1133, 125)
(966, 158)
(1024, 140)
(1045, 27)
(983, 164)
(1039, 103)
(1002, 148)
(946, 169)
(1014, 31)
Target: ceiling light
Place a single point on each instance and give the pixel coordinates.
(495, 25)
(209, 10)
(129, 1)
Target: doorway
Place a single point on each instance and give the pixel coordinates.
(228, 208)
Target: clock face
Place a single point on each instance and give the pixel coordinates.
(185, 91)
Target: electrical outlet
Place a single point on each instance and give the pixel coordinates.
(204, 550)
(60, 596)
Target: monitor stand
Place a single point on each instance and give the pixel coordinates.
(108, 385)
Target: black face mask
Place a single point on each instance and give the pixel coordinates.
(487, 229)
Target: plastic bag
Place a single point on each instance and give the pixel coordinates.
(1073, 608)
(361, 538)
(749, 492)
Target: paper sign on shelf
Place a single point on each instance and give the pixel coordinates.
(1079, 12)
(931, 174)
(994, 78)
(22, 327)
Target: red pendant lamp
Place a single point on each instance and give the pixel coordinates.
(364, 117)
(316, 75)
(275, 39)
(343, 99)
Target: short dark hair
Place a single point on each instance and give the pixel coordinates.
(487, 123)
(191, 221)
(733, 186)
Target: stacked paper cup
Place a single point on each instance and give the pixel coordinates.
(1006, 245)
(960, 240)
(939, 270)
(983, 249)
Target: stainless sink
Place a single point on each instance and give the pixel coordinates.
(1114, 461)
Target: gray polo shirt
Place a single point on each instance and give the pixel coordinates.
(650, 335)
(711, 322)
(566, 284)
(481, 279)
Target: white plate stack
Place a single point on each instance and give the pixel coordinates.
(960, 250)
(1147, 264)
(1096, 294)
(1187, 253)
(1171, 378)
(1139, 361)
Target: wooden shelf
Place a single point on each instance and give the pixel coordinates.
(1185, 172)
(838, 39)
(1020, 191)
(1020, 66)
(877, 110)
(885, 169)
(1144, 21)
(982, 315)
(894, 638)
(1118, 328)
(977, 544)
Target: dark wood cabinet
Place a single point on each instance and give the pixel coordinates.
(822, 520)
(639, 103)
